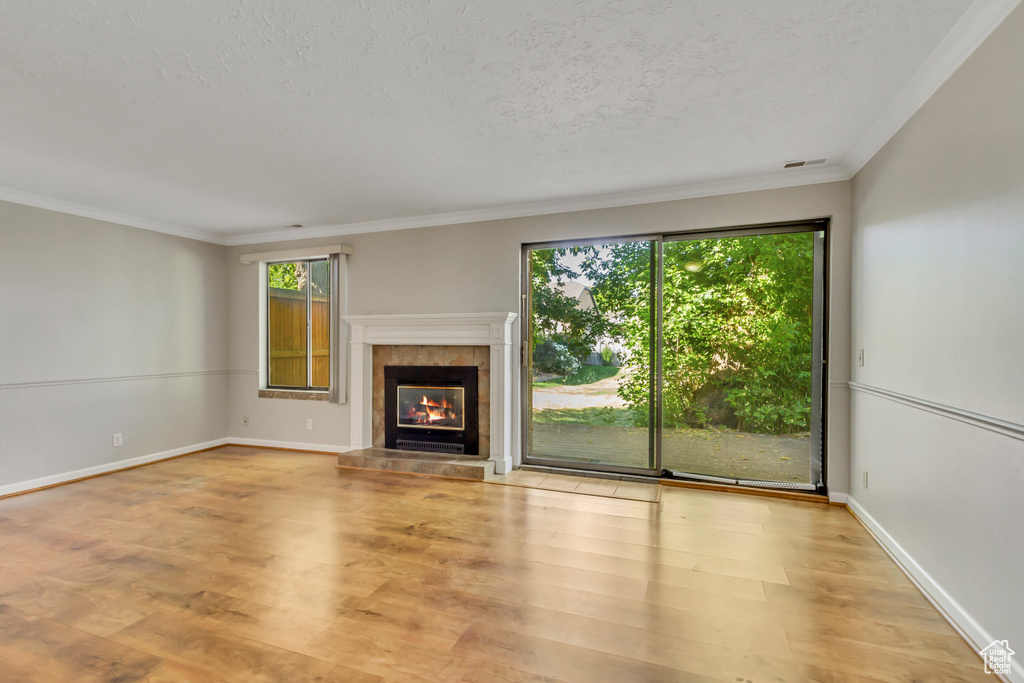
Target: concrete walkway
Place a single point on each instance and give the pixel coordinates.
(766, 457)
(722, 453)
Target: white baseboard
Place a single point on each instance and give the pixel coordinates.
(959, 619)
(63, 477)
(293, 445)
(837, 498)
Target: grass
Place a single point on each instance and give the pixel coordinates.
(588, 374)
(618, 417)
(621, 417)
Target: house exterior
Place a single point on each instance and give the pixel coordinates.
(585, 301)
(578, 291)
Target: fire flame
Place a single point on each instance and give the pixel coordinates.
(435, 411)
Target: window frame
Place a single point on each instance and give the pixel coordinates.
(332, 336)
(821, 416)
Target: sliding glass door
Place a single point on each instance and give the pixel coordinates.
(739, 377)
(589, 355)
(698, 353)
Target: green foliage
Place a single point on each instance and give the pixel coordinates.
(286, 276)
(558, 317)
(736, 329)
(617, 417)
(737, 321)
(587, 374)
(606, 356)
(622, 289)
(293, 276)
(554, 357)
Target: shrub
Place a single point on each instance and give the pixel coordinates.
(554, 357)
(736, 329)
(606, 356)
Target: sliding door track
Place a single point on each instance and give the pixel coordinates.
(789, 486)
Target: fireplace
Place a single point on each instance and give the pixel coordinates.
(481, 339)
(431, 408)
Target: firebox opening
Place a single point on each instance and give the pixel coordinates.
(431, 407)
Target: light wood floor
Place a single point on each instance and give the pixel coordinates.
(247, 565)
(592, 486)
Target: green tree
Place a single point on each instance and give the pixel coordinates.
(622, 288)
(293, 276)
(736, 328)
(286, 275)
(557, 317)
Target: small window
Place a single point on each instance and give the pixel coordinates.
(299, 325)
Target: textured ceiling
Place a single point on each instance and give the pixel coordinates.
(237, 117)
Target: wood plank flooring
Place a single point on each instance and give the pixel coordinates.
(245, 565)
(592, 486)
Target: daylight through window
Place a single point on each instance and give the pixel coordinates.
(299, 324)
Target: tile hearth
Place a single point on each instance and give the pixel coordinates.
(492, 331)
(474, 468)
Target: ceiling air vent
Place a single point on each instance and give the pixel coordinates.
(804, 162)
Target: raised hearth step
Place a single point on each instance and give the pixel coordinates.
(472, 467)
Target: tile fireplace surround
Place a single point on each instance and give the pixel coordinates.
(493, 330)
(434, 356)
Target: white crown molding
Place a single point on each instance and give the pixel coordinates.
(770, 181)
(40, 202)
(974, 27)
(977, 23)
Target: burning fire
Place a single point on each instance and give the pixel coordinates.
(435, 411)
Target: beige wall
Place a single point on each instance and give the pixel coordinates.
(105, 329)
(938, 307)
(475, 268)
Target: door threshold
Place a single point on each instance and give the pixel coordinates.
(730, 487)
(787, 494)
(736, 481)
(592, 474)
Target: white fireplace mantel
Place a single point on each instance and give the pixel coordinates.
(455, 329)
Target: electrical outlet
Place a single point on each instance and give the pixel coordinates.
(309, 423)
(245, 420)
(865, 478)
(860, 357)
(117, 440)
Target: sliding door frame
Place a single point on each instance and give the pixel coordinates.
(526, 351)
(819, 342)
(820, 338)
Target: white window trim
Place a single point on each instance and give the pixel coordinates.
(296, 254)
(337, 254)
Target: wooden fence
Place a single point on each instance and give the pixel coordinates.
(287, 331)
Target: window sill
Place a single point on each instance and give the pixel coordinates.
(296, 395)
